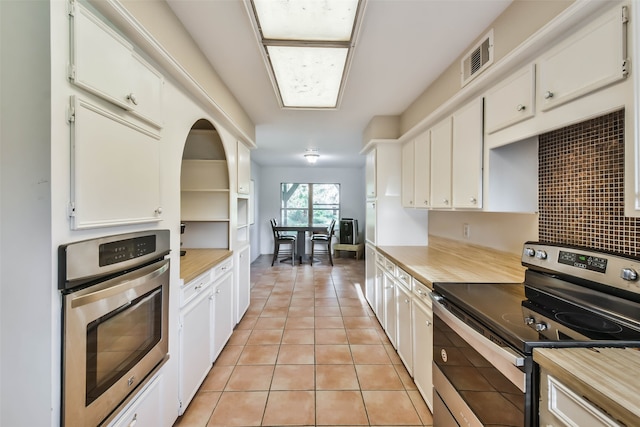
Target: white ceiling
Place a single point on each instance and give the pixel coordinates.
(402, 47)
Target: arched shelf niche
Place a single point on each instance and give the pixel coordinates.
(204, 189)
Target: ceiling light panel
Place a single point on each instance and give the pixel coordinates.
(326, 20)
(308, 76)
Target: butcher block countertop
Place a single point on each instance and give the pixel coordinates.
(197, 261)
(445, 260)
(608, 377)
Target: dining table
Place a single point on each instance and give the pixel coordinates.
(301, 242)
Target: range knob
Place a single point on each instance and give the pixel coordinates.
(539, 327)
(629, 274)
(529, 320)
(529, 252)
(541, 255)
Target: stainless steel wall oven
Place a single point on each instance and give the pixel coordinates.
(115, 299)
(485, 333)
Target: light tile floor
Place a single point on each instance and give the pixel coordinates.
(309, 351)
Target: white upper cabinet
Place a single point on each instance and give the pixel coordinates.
(441, 144)
(511, 101)
(244, 169)
(408, 153)
(104, 63)
(115, 169)
(370, 174)
(467, 156)
(589, 59)
(416, 172)
(422, 170)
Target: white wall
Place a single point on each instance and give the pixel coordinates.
(268, 180)
(502, 231)
(26, 263)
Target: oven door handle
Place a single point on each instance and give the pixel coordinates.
(503, 359)
(141, 280)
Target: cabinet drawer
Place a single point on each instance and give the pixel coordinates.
(194, 288)
(380, 259)
(222, 268)
(422, 292)
(144, 412)
(404, 278)
(390, 267)
(566, 408)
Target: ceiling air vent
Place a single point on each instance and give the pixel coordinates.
(477, 59)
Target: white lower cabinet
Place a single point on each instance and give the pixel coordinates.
(370, 275)
(389, 296)
(143, 410)
(206, 323)
(561, 407)
(243, 282)
(422, 324)
(223, 321)
(404, 338)
(195, 343)
(378, 309)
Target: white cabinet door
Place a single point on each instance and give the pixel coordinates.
(441, 164)
(143, 411)
(423, 350)
(467, 156)
(223, 322)
(407, 174)
(243, 285)
(244, 169)
(422, 170)
(389, 308)
(404, 337)
(511, 101)
(105, 64)
(591, 58)
(195, 342)
(370, 221)
(370, 279)
(379, 284)
(370, 174)
(115, 169)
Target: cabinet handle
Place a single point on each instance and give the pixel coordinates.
(410, 202)
(548, 94)
(406, 301)
(445, 201)
(132, 97)
(426, 202)
(134, 421)
(159, 210)
(198, 287)
(419, 292)
(428, 323)
(520, 107)
(473, 200)
(218, 291)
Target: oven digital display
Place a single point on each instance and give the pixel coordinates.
(123, 250)
(586, 262)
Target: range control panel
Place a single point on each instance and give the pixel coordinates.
(617, 270)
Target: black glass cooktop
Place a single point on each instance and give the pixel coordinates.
(505, 309)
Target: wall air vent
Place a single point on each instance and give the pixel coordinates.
(477, 59)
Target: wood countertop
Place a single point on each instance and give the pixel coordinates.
(197, 261)
(445, 260)
(605, 376)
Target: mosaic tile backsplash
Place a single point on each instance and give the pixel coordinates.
(581, 186)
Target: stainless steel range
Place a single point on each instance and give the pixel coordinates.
(484, 334)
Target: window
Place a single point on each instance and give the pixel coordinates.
(309, 204)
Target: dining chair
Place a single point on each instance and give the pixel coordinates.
(324, 240)
(280, 239)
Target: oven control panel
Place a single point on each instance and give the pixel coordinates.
(610, 269)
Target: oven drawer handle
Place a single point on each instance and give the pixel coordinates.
(142, 277)
(504, 359)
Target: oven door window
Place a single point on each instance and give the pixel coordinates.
(489, 395)
(118, 340)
